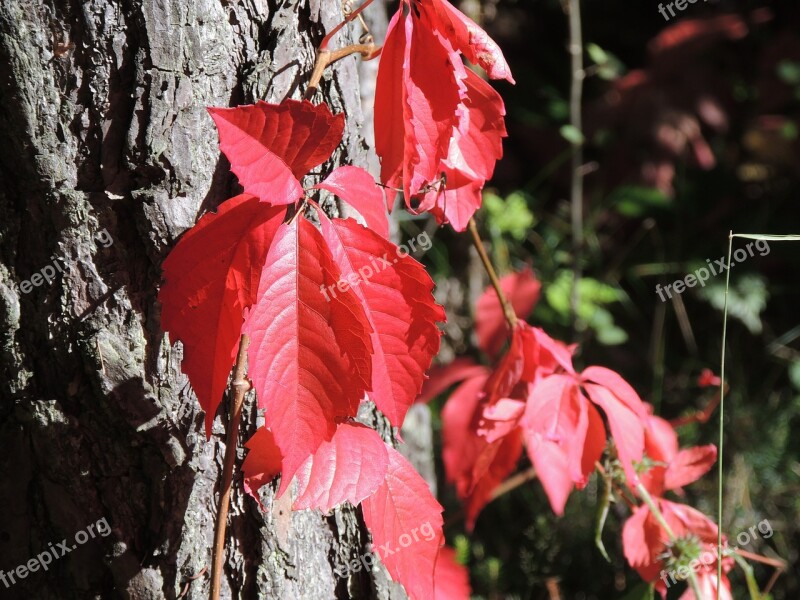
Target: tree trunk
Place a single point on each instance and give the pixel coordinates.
(108, 156)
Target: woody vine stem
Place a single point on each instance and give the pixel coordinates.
(239, 387)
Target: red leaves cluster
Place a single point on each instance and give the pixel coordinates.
(335, 315)
(534, 398)
(438, 125)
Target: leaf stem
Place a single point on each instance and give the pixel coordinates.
(240, 386)
(508, 311)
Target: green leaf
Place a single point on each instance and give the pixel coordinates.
(609, 66)
(592, 295)
(789, 72)
(643, 591)
(572, 134)
(510, 216)
(635, 200)
(602, 514)
(747, 299)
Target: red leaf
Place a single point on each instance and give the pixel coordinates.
(620, 388)
(689, 465)
(475, 147)
(627, 428)
(469, 39)
(506, 453)
(499, 419)
(644, 539)
(418, 94)
(262, 463)
(405, 521)
(309, 357)
(349, 467)
(433, 88)
(708, 379)
(271, 146)
(522, 290)
(442, 377)
(389, 102)
(452, 578)
(461, 447)
(556, 425)
(357, 187)
(211, 277)
(511, 367)
(673, 467)
(395, 293)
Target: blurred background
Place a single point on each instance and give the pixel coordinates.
(691, 129)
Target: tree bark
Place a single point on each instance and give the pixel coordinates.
(108, 155)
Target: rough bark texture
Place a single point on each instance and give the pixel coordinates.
(102, 109)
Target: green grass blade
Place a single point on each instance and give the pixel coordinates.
(722, 414)
(768, 238)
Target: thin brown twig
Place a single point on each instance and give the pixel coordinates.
(326, 40)
(240, 386)
(508, 311)
(773, 562)
(190, 580)
(513, 483)
(325, 58)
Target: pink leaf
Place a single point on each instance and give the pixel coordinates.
(627, 428)
(357, 187)
(474, 148)
(310, 359)
(620, 388)
(471, 40)
(349, 468)
(271, 146)
(689, 465)
(556, 422)
(452, 578)
(395, 293)
(405, 521)
(432, 97)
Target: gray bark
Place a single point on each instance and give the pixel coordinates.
(102, 109)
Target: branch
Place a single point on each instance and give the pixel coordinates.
(240, 386)
(508, 311)
(576, 188)
(326, 57)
